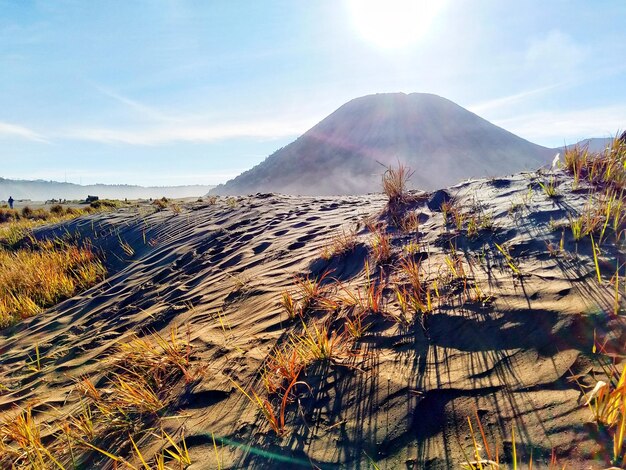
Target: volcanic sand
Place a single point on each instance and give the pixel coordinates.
(402, 397)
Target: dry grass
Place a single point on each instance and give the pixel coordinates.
(308, 294)
(381, 246)
(313, 292)
(137, 386)
(410, 222)
(27, 449)
(413, 294)
(550, 187)
(510, 261)
(142, 382)
(16, 225)
(282, 367)
(607, 402)
(447, 208)
(37, 277)
(14, 229)
(485, 456)
(282, 371)
(290, 305)
(587, 223)
(161, 204)
(354, 326)
(340, 244)
(604, 169)
(55, 213)
(366, 299)
(411, 270)
(394, 183)
(316, 344)
(606, 172)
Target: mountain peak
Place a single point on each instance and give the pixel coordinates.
(342, 154)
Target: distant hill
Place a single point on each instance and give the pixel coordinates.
(443, 142)
(595, 144)
(44, 190)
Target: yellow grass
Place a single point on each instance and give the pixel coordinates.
(27, 449)
(33, 279)
(395, 181)
(340, 244)
(607, 402)
(16, 225)
(604, 169)
(381, 246)
(138, 385)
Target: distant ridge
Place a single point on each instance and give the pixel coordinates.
(40, 190)
(594, 144)
(443, 142)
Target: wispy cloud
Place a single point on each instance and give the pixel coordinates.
(507, 101)
(144, 110)
(158, 127)
(193, 132)
(13, 130)
(553, 128)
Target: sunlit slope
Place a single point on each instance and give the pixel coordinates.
(442, 141)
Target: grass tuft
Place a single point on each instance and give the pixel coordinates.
(394, 183)
(341, 244)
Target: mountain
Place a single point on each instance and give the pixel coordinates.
(440, 140)
(40, 190)
(595, 144)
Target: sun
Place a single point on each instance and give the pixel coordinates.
(393, 24)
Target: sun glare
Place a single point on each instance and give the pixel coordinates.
(393, 24)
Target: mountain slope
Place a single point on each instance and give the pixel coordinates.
(442, 141)
(594, 144)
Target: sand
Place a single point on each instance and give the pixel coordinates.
(402, 397)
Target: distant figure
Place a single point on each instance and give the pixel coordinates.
(10, 202)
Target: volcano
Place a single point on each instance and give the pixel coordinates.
(347, 151)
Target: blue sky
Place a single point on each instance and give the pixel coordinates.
(181, 92)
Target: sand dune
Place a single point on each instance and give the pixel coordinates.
(399, 396)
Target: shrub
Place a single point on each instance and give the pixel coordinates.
(160, 204)
(8, 215)
(70, 211)
(105, 204)
(57, 209)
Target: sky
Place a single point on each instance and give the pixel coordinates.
(172, 92)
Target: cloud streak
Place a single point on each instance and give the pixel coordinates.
(144, 110)
(160, 135)
(13, 130)
(505, 101)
